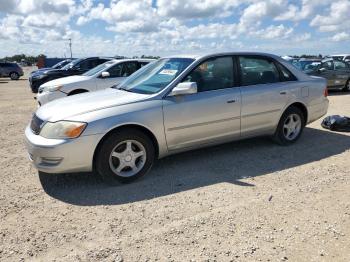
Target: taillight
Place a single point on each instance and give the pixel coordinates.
(325, 93)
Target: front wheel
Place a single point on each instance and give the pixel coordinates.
(125, 156)
(14, 76)
(290, 127)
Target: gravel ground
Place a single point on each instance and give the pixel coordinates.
(245, 201)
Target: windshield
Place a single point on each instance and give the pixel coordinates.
(71, 64)
(156, 76)
(98, 69)
(60, 64)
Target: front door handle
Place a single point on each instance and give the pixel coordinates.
(231, 101)
(283, 93)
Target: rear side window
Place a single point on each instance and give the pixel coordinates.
(256, 71)
(286, 74)
(213, 74)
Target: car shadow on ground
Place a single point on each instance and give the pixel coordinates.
(225, 163)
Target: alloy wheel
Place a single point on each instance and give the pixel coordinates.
(292, 127)
(127, 158)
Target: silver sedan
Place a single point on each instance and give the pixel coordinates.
(171, 105)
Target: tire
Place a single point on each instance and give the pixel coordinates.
(118, 144)
(284, 135)
(14, 76)
(347, 86)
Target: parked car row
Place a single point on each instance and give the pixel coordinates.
(11, 70)
(335, 69)
(168, 106)
(103, 76)
(75, 67)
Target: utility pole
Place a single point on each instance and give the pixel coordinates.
(70, 47)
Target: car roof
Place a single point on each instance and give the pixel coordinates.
(130, 60)
(207, 55)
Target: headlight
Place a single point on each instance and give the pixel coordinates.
(62, 129)
(38, 76)
(53, 88)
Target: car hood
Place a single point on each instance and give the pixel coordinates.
(66, 80)
(63, 109)
(41, 70)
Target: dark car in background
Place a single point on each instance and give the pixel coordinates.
(336, 72)
(76, 67)
(306, 64)
(56, 66)
(12, 70)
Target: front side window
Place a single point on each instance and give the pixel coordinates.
(213, 74)
(130, 68)
(327, 65)
(155, 76)
(97, 69)
(84, 65)
(256, 70)
(116, 70)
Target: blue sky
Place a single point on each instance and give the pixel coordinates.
(163, 27)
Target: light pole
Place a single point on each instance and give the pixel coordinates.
(70, 47)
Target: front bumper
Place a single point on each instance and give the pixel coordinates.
(61, 155)
(46, 97)
(35, 83)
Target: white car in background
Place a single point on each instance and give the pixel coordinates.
(342, 57)
(103, 76)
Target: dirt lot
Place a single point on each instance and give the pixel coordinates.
(244, 201)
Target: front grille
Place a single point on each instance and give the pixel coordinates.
(36, 124)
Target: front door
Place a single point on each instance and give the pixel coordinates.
(212, 114)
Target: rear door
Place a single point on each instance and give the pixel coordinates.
(264, 93)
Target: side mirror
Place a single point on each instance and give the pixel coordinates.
(185, 88)
(105, 74)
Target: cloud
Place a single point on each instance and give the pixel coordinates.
(343, 36)
(184, 9)
(169, 27)
(337, 19)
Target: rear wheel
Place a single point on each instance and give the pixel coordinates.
(125, 156)
(290, 127)
(14, 76)
(347, 86)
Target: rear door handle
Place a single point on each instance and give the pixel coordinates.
(231, 101)
(283, 93)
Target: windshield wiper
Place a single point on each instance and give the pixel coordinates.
(124, 89)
